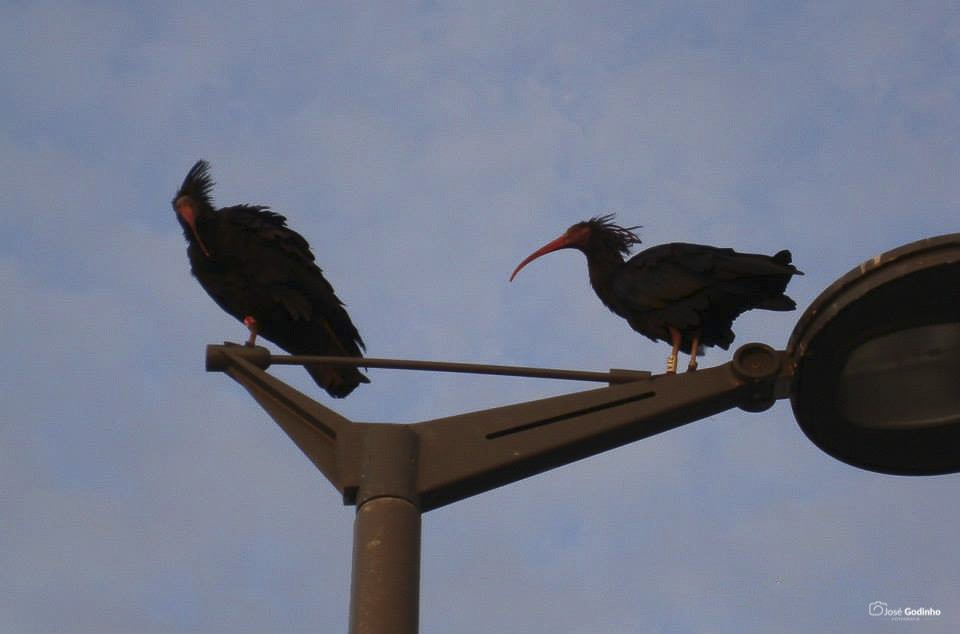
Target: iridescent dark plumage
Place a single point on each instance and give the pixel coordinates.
(264, 274)
(685, 294)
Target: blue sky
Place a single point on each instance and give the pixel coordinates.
(424, 149)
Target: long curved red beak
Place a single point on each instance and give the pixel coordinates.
(563, 242)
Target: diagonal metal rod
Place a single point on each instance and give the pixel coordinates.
(614, 376)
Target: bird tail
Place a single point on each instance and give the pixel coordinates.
(781, 301)
(337, 381)
(785, 258)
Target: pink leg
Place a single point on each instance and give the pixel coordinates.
(693, 353)
(251, 325)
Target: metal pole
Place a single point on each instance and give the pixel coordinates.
(263, 359)
(385, 591)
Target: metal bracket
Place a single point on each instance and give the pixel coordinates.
(448, 459)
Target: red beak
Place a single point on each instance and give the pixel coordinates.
(185, 210)
(563, 242)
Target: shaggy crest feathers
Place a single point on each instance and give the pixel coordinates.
(198, 185)
(613, 235)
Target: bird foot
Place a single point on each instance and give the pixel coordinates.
(692, 366)
(672, 364)
(251, 325)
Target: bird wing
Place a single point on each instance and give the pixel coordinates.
(671, 273)
(270, 228)
(661, 277)
(691, 286)
(279, 260)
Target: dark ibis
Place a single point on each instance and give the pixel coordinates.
(264, 274)
(684, 294)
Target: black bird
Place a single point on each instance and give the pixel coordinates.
(685, 294)
(264, 274)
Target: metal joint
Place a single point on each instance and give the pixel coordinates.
(758, 365)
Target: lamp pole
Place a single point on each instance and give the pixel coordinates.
(385, 586)
(393, 473)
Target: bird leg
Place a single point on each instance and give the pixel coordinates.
(676, 337)
(251, 325)
(693, 352)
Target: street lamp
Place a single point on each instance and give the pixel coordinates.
(872, 371)
(877, 357)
